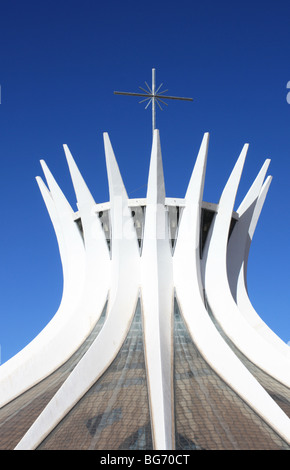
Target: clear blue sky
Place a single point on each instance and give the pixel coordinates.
(60, 62)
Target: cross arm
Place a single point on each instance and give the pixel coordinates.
(148, 95)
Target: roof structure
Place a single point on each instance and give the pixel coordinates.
(155, 344)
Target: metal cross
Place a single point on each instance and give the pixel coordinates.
(153, 96)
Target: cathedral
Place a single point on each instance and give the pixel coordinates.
(155, 344)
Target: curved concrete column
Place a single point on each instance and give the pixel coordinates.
(241, 292)
(157, 300)
(125, 282)
(97, 258)
(238, 242)
(189, 292)
(49, 349)
(155, 274)
(218, 292)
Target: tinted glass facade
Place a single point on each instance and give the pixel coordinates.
(114, 413)
(279, 392)
(18, 415)
(209, 415)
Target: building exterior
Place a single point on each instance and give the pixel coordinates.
(155, 344)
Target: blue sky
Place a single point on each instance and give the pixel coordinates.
(59, 65)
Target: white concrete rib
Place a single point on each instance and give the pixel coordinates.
(238, 239)
(237, 258)
(124, 292)
(218, 292)
(58, 340)
(189, 292)
(91, 273)
(157, 299)
(97, 258)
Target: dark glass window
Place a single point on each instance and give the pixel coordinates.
(17, 416)
(208, 413)
(114, 413)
